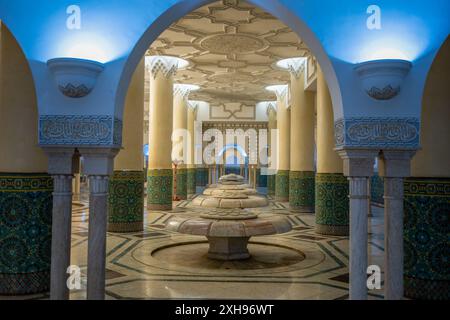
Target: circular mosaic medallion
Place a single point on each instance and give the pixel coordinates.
(232, 44)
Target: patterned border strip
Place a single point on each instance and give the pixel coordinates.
(378, 132)
(429, 187)
(25, 183)
(95, 130)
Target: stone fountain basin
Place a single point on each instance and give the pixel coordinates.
(228, 239)
(247, 201)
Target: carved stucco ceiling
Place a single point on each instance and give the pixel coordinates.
(232, 47)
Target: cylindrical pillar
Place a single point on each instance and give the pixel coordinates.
(284, 145)
(98, 206)
(302, 175)
(25, 186)
(393, 236)
(61, 236)
(331, 204)
(126, 187)
(359, 208)
(272, 126)
(191, 167)
(160, 175)
(179, 139)
(427, 192)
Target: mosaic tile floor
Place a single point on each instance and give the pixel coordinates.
(158, 264)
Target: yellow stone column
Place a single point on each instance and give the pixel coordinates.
(179, 141)
(427, 191)
(126, 187)
(160, 175)
(25, 186)
(283, 143)
(191, 167)
(302, 175)
(332, 188)
(272, 126)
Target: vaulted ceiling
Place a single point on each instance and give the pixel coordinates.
(232, 47)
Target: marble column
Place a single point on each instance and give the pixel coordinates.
(160, 174)
(283, 143)
(358, 167)
(331, 194)
(99, 166)
(191, 167)
(61, 167)
(394, 167)
(25, 185)
(302, 175)
(126, 187)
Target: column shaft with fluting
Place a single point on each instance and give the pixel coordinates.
(126, 187)
(160, 175)
(302, 175)
(332, 189)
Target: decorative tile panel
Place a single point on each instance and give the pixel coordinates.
(126, 201)
(282, 185)
(427, 238)
(332, 204)
(159, 189)
(191, 181)
(302, 190)
(80, 131)
(181, 184)
(26, 204)
(378, 132)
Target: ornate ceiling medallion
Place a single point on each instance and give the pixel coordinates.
(233, 44)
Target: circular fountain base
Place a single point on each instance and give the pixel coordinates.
(226, 249)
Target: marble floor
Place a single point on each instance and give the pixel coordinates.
(158, 264)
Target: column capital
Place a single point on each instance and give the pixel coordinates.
(295, 66)
(281, 90)
(168, 66)
(61, 161)
(358, 162)
(99, 161)
(183, 90)
(396, 163)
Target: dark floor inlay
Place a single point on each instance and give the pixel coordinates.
(110, 274)
(149, 234)
(341, 278)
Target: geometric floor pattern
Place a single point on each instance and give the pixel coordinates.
(159, 264)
